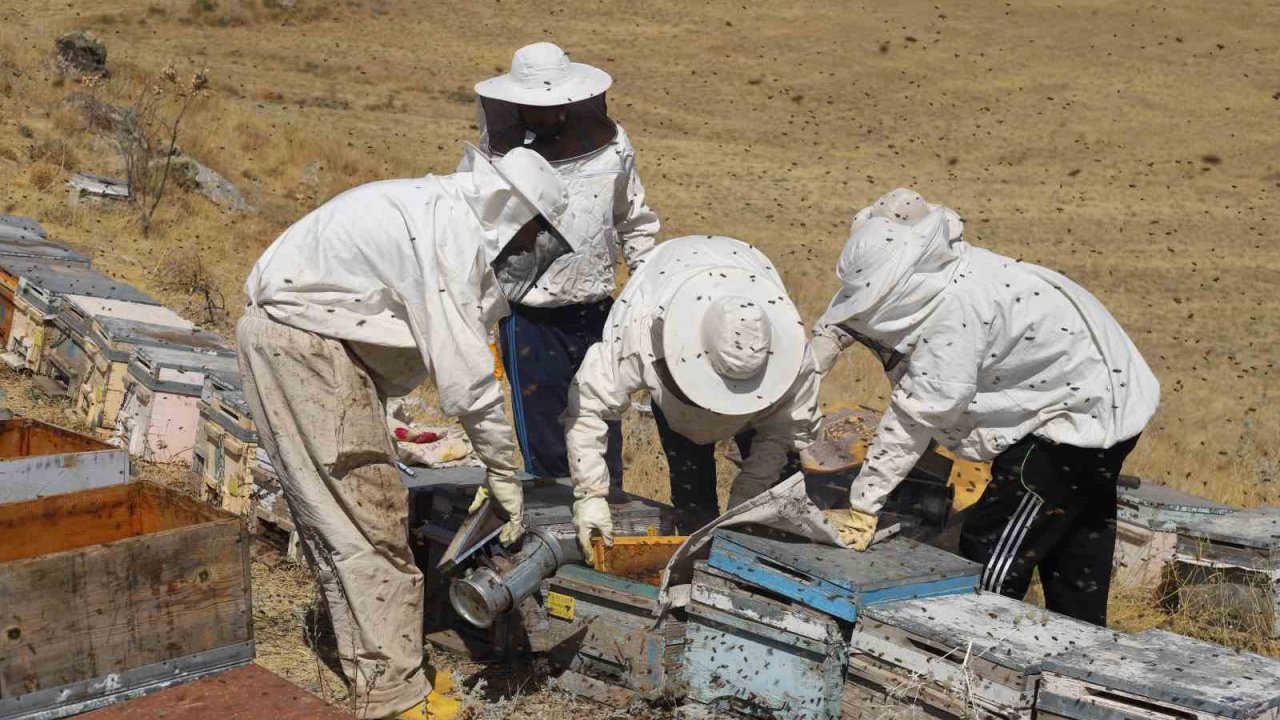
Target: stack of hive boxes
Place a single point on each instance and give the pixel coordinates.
(792, 629)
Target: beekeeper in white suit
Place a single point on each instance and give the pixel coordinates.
(557, 108)
(379, 289)
(995, 359)
(706, 327)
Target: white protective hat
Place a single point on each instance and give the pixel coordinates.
(732, 340)
(542, 75)
(908, 207)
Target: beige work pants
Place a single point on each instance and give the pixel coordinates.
(320, 419)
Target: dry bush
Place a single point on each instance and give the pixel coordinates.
(185, 273)
(54, 151)
(148, 138)
(43, 175)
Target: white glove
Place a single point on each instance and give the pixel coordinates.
(592, 514)
(510, 497)
(825, 353)
(494, 441)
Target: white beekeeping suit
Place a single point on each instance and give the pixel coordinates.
(380, 288)
(983, 349)
(668, 327)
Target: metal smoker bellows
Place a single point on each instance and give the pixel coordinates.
(486, 592)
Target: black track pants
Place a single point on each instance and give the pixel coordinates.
(1053, 508)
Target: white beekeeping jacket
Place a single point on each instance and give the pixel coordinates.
(623, 362)
(607, 209)
(400, 270)
(995, 349)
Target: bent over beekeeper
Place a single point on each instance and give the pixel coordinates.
(995, 359)
(557, 108)
(706, 327)
(366, 297)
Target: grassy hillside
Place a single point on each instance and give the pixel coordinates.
(1132, 146)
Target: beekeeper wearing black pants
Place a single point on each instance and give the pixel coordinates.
(999, 360)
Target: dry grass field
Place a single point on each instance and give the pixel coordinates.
(1133, 146)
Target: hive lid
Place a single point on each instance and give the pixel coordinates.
(1174, 669)
(1256, 528)
(1001, 630)
(70, 278)
(892, 563)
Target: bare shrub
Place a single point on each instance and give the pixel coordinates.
(148, 139)
(185, 272)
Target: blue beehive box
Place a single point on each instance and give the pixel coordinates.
(838, 581)
(749, 653)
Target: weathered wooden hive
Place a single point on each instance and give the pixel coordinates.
(1157, 675)
(1228, 566)
(604, 626)
(37, 459)
(769, 619)
(114, 591)
(976, 655)
(751, 653)
(837, 581)
(161, 410)
(226, 448)
(37, 288)
(1147, 518)
(116, 331)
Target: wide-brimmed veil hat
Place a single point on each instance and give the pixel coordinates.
(732, 340)
(542, 75)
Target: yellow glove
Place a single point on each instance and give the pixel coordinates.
(855, 529)
(510, 496)
(592, 514)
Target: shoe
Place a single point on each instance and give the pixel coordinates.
(437, 705)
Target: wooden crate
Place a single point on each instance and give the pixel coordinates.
(753, 654)
(838, 581)
(109, 592)
(1229, 566)
(959, 656)
(603, 625)
(1157, 675)
(1146, 530)
(37, 459)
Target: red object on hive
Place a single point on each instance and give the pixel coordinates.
(402, 434)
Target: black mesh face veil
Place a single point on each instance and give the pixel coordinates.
(584, 128)
(523, 261)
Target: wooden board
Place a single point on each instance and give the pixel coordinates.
(247, 693)
(836, 580)
(101, 581)
(875, 690)
(22, 438)
(1179, 676)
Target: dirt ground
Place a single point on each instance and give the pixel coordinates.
(1130, 145)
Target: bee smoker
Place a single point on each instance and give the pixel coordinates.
(500, 581)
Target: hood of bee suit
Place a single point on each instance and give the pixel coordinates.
(507, 193)
(896, 267)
